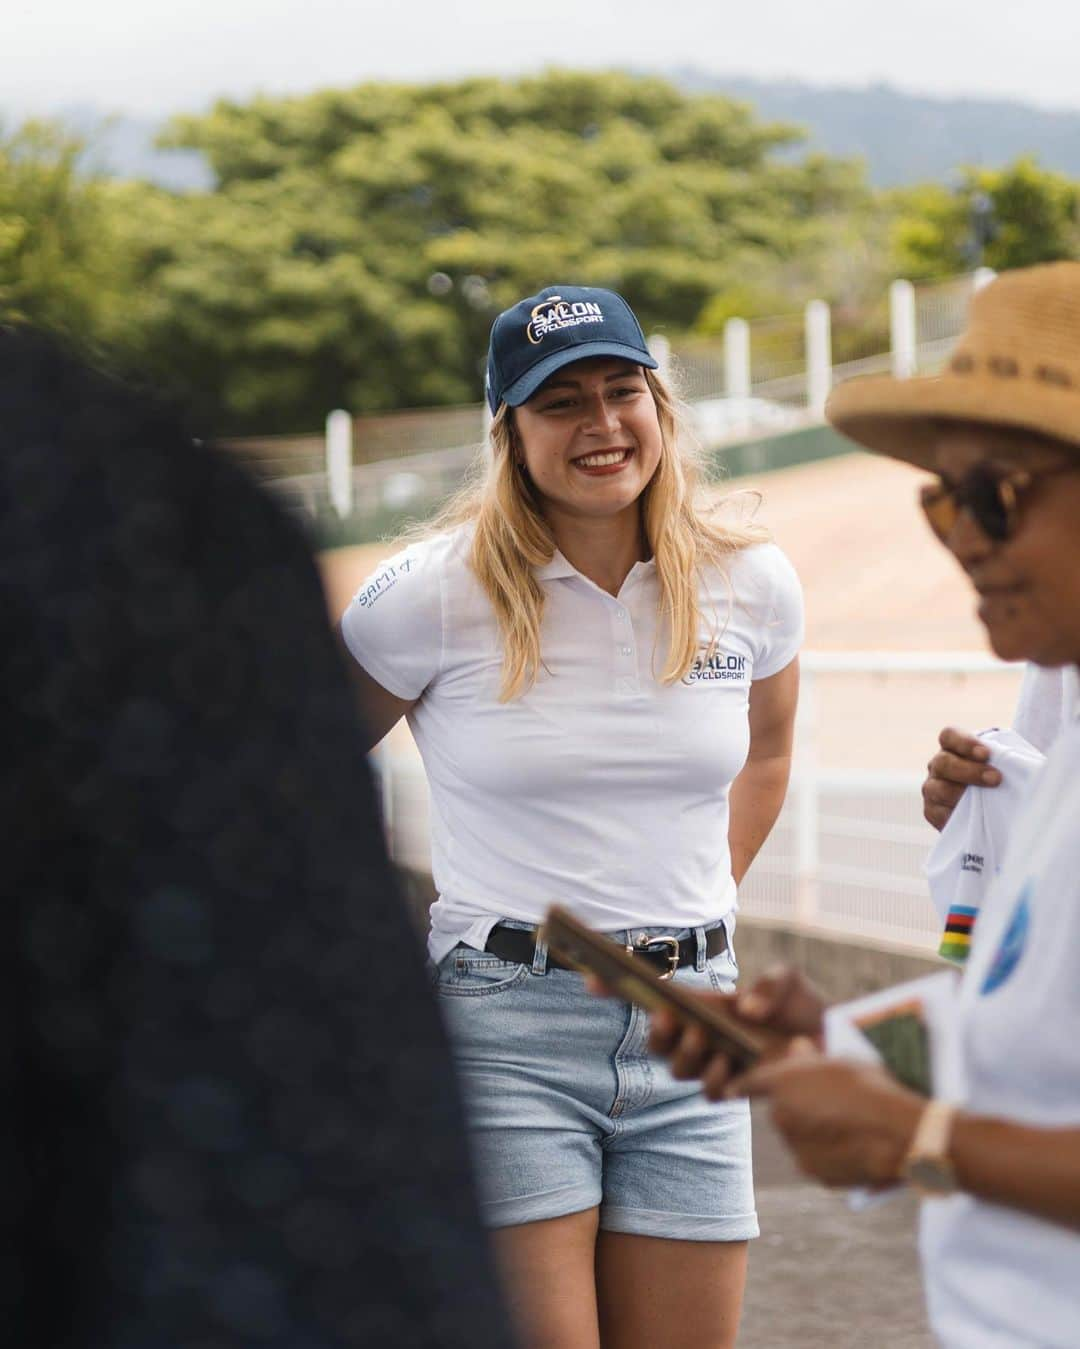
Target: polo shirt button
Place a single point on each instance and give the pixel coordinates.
(627, 650)
(620, 613)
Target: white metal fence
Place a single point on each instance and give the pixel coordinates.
(762, 377)
(847, 853)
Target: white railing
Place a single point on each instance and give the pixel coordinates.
(846, 855)
(847, 852)
(765, 376)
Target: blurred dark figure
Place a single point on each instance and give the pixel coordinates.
(229, 1117)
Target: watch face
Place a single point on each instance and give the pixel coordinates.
(931, 1175)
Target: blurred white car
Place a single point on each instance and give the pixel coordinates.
(401, 490)
(720, 419)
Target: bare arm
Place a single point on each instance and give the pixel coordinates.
(1034, 1170)
(852, 1124)
(758, 792)
(380, 709)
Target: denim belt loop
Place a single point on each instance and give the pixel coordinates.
(539, 965)
(702, 950)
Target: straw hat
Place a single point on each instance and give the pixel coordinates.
(1016, 365)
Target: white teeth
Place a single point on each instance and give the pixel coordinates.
(602, 460)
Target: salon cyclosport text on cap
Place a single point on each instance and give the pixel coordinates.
(561, 324)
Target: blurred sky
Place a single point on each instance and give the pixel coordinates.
(154, 56)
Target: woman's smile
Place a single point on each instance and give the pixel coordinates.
(1027, 584)
(602, 463)
(594, 419)
(998, 601)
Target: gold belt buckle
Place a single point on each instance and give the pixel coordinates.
(644, 945)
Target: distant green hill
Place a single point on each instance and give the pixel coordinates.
(907, 138)
(904, 138)
(122, 146)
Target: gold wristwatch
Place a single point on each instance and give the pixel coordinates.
(927, 1168)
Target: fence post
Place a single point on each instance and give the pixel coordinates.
(660, 348)
(902, 329)
(737, 358)
(807, 803)
(339, 447)
(818, 356)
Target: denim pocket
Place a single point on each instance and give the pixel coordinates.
(723, 971)
(468, 973)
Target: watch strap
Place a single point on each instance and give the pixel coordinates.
(927, 1157)
(931, 1136)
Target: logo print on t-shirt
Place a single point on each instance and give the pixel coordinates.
(1012, 944)
(713, 666)
(379, 585)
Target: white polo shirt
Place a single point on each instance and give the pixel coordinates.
(601, 788)
(995, 1276)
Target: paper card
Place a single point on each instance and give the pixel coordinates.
(910, 1028)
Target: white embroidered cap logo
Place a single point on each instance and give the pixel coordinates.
(555, 313)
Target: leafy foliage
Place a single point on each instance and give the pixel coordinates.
(405, 217)
(61, 266)
(1012, 217)
(357, 243)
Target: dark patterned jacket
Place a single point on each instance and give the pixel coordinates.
(228, 1111)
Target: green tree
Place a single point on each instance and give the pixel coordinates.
(61, 264)
(1024, 214)
(359, 242)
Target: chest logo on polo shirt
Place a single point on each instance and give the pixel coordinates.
(1012, 944)
(714, 666)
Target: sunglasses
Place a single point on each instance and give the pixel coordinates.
(990, 494)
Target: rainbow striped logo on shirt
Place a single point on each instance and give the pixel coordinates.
(956, 939)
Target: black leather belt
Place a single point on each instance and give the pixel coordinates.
(665, 954)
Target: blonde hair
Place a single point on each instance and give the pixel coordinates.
(511, 537)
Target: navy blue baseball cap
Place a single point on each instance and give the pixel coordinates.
(544, 332)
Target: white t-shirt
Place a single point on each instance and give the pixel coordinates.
(997, 1278)
(972, 844)
(601, 788)
(968, 853)
(1047, 702)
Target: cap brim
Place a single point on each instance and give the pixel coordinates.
(902, 417)
(527, 384)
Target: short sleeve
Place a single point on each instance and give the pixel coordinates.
(393, 625)
(782, 614)
(1045, 706)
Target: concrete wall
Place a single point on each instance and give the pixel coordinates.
(841, 967)
(780, 450)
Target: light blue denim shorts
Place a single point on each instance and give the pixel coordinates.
(567, 1110)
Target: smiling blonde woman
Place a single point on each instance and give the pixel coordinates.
(601, 678)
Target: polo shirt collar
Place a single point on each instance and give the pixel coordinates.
(559, 567)
(642, 568)
(556, 568)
